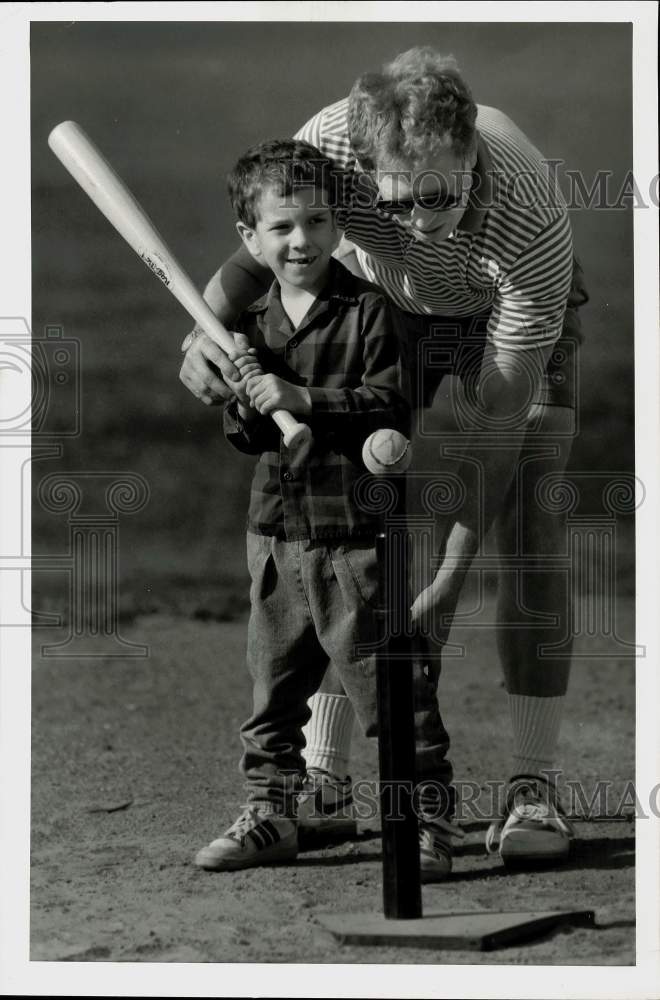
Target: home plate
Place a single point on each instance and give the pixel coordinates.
(474, 931)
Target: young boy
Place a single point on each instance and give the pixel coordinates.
(327, 342)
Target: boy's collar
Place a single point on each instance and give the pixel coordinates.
(339, 285)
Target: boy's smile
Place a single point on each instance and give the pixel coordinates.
(295, 236)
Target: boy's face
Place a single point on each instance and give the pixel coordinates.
(295, 236)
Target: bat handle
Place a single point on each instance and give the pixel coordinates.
(293, 432)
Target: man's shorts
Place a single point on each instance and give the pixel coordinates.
(435, 346)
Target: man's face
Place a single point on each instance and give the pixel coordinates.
(430, 199)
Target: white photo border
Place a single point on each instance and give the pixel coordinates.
(17, 973)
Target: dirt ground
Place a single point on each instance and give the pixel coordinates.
(135, 767)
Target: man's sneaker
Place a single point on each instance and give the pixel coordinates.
(534, 829)
(325, 806)
(435, 848)
(255, 838)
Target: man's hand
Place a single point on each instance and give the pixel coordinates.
(269, 392)
(207, 371)
(433, 609)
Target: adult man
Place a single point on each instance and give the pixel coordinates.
(469, 236)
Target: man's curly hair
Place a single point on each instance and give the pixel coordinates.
(418, 105)
(284, 164)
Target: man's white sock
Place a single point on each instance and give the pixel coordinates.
(536, 724)
(328, 733)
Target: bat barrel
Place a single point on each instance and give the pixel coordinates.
(102, 184)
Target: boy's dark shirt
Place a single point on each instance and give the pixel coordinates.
(346, 352)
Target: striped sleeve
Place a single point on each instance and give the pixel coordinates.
(311, 131)
(531, 300)
(328, 131)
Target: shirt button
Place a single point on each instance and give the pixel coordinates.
(287, 477)
(293, 343)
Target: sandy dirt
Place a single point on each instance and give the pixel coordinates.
(135, 768)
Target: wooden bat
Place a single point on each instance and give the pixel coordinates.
(97, 178)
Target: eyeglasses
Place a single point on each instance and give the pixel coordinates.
(439, 201)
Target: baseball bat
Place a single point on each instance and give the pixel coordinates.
(99, 180)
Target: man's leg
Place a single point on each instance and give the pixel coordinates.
(536, 682)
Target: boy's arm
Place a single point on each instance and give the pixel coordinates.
(378, 402)
(381, 400)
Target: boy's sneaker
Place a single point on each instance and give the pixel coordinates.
(534, 829)
(435, 848)
(325, 806)
(256, 838)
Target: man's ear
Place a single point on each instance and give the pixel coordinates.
(250, 239)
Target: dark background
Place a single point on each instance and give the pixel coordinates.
(172, 105)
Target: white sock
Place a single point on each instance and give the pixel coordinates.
(536, 724)
(328, 733)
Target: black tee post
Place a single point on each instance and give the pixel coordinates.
(402, 898)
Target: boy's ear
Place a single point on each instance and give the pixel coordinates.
(337, 231)
(250, 239)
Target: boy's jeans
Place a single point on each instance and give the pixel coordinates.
(312, 603)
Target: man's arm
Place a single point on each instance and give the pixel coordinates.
(508, 382)
(236, 285)
(206, 371)
(524, 325)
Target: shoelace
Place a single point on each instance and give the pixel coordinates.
(544, 811)
(248, 819)
(441, 826)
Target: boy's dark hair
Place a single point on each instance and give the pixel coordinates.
(286, 165)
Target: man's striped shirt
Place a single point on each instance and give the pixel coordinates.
(511, 255)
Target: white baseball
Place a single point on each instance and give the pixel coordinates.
(386, 452)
